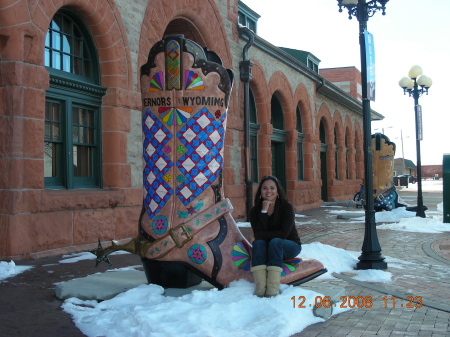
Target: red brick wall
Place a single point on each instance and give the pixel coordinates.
(34, 220)
(346, 74)
(429, 171)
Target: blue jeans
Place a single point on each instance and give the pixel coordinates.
(273, 253)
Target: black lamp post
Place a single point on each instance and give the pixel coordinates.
(371, 257)
(416, 85)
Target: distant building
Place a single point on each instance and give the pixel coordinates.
(431, 171)
(346, 78)
(404, 166)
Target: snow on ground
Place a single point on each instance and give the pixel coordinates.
(234, 311)
(9, 269)
(145, 311)
(427, 186)
(72, 258)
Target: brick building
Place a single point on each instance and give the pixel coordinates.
(71, 138)
(432, 171)
(347, 79)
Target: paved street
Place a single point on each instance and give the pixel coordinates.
(427, 279)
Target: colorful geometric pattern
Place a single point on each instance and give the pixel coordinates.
(197, 254)
(191, 210)
(388, 203)
(203, 137)
(174, 116)
(157, 82)
(156, 190)
(173, 64)
(160, 224)
(241, 255)
(193, 81)
(290, 265)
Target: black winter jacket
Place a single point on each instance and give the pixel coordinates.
(281, 224)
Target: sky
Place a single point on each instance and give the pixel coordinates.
(413, 32)
(145, 311)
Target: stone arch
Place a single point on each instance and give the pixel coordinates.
(23, 29)
(280, 86)
(302, 98)
(324, 115)
(339, 126)
(30, 25)
(359, 151)
(261, 94)
(348, 132)
(200, 16)
(349, 141)
(103, 21)
(326, 162)
(188, 29)
(339, 145)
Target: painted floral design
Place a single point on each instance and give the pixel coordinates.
(159, 224)
(290, 265)
(241, 255)
(197, 254)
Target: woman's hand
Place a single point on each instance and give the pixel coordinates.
(266, 204)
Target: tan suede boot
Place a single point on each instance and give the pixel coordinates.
(273, 281)
(260, 279)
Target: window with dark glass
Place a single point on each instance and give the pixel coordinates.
(277, 119)
(278, 141)
(322, 134)
(72, 147)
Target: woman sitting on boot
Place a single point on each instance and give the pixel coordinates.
(273, 222)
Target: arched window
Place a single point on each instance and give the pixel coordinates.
(276, 113)
(301, 136)
(322, 134)
(72, 138)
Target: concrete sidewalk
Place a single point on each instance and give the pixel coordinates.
(30, 307)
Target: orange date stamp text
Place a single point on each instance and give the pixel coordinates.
(358, 302)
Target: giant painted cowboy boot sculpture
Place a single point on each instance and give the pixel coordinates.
(185, 219)
(384, 192)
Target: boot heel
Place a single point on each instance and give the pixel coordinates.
(169, 274)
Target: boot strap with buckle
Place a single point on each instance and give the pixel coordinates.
(180, 235)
